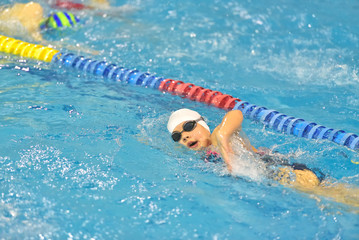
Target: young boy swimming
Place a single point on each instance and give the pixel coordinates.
(189, 129)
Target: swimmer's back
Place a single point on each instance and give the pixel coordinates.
(28, 15)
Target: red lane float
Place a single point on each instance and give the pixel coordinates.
(199, 94)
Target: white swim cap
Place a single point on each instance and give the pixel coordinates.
(183, 115)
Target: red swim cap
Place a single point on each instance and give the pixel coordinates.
(70, 5)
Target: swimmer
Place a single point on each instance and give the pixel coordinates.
(189, 129)
(28, 19)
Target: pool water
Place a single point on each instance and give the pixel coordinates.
(83, 158)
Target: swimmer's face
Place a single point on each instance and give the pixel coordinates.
(196, 139)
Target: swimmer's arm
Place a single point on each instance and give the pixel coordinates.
(231, 123)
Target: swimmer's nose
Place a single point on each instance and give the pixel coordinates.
(184, 139)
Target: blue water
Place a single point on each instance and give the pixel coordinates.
(81, 158)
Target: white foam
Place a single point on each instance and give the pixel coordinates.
(245, 163)
(310, 67)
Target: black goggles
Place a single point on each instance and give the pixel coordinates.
(187, 127)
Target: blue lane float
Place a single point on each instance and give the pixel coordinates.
(270, 118)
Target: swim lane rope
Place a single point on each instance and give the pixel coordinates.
(269, 117)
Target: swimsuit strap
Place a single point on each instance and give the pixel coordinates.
(212, 156)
